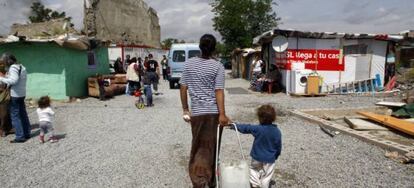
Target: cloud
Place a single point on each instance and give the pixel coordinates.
(184, 19)
(13, 12)
(189, 19)
(363, 16)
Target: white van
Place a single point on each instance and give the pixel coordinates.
(178, 55)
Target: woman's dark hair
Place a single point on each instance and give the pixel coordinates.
(207, 45)
(44, 102)
(266, 114)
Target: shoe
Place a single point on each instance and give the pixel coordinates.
(42, 139)
(53, 140)
(17, 141)
(27, 137)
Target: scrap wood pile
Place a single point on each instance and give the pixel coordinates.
(404, 81)
(114, 85)
(399, 118)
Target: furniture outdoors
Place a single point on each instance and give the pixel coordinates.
(117, 85)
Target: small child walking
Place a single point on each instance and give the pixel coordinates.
(45, 114)
(266, 147)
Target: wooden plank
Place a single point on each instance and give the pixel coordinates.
(308, 95)
(409, 120)
(398, 124)
(363, 125)
(391, 104)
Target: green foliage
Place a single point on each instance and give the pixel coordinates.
(166, 43)
(221, 50)
(239, 21)
(41, 14)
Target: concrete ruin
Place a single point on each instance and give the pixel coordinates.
(49, 29)
(129, 22)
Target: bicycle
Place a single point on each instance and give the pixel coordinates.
(139, 103)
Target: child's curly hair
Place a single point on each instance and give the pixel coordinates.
(44, 102)
(266, 114)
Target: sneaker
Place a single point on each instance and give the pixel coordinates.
(17, 141)
(53, 140)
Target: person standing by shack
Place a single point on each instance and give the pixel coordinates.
(133, 77)
(16, 78)
(203, 80)
(164, 65)
(118, 66)
(257, 66)
(5, 124)
(153, 71)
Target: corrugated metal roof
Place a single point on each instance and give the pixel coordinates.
(70, 41)
(323, 35)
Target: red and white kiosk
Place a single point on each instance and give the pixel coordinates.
(335, 57)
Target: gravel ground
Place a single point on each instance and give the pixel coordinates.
(113, 144)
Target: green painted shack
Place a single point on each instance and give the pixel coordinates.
(55, 70)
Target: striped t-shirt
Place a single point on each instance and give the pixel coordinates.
(203, 77)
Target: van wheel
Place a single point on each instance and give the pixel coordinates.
(172, 84)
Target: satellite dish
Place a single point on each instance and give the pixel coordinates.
(280, 43)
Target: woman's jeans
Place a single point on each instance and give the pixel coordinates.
(19, 118)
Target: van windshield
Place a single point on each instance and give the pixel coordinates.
(193, 53)
(179, 56)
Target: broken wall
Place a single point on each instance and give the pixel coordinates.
(123, 22)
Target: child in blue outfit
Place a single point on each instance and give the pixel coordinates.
(267, 146)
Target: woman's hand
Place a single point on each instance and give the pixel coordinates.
(187, 116)
(224, 120)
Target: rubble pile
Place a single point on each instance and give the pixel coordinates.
(49, 29)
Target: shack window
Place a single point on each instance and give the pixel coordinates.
(179, 56)
(92, 61)
(194, 53)
(356, 49)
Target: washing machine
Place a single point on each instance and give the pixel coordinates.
(299, 81)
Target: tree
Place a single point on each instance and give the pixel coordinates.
(222, 50)
(166, 43)
(40, 13)
(239, 21)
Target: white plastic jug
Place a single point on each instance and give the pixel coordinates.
(232, 175)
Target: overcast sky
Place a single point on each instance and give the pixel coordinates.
(189, 19)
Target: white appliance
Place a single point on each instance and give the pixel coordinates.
(299, 81)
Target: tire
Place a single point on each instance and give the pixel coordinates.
(172, 84)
